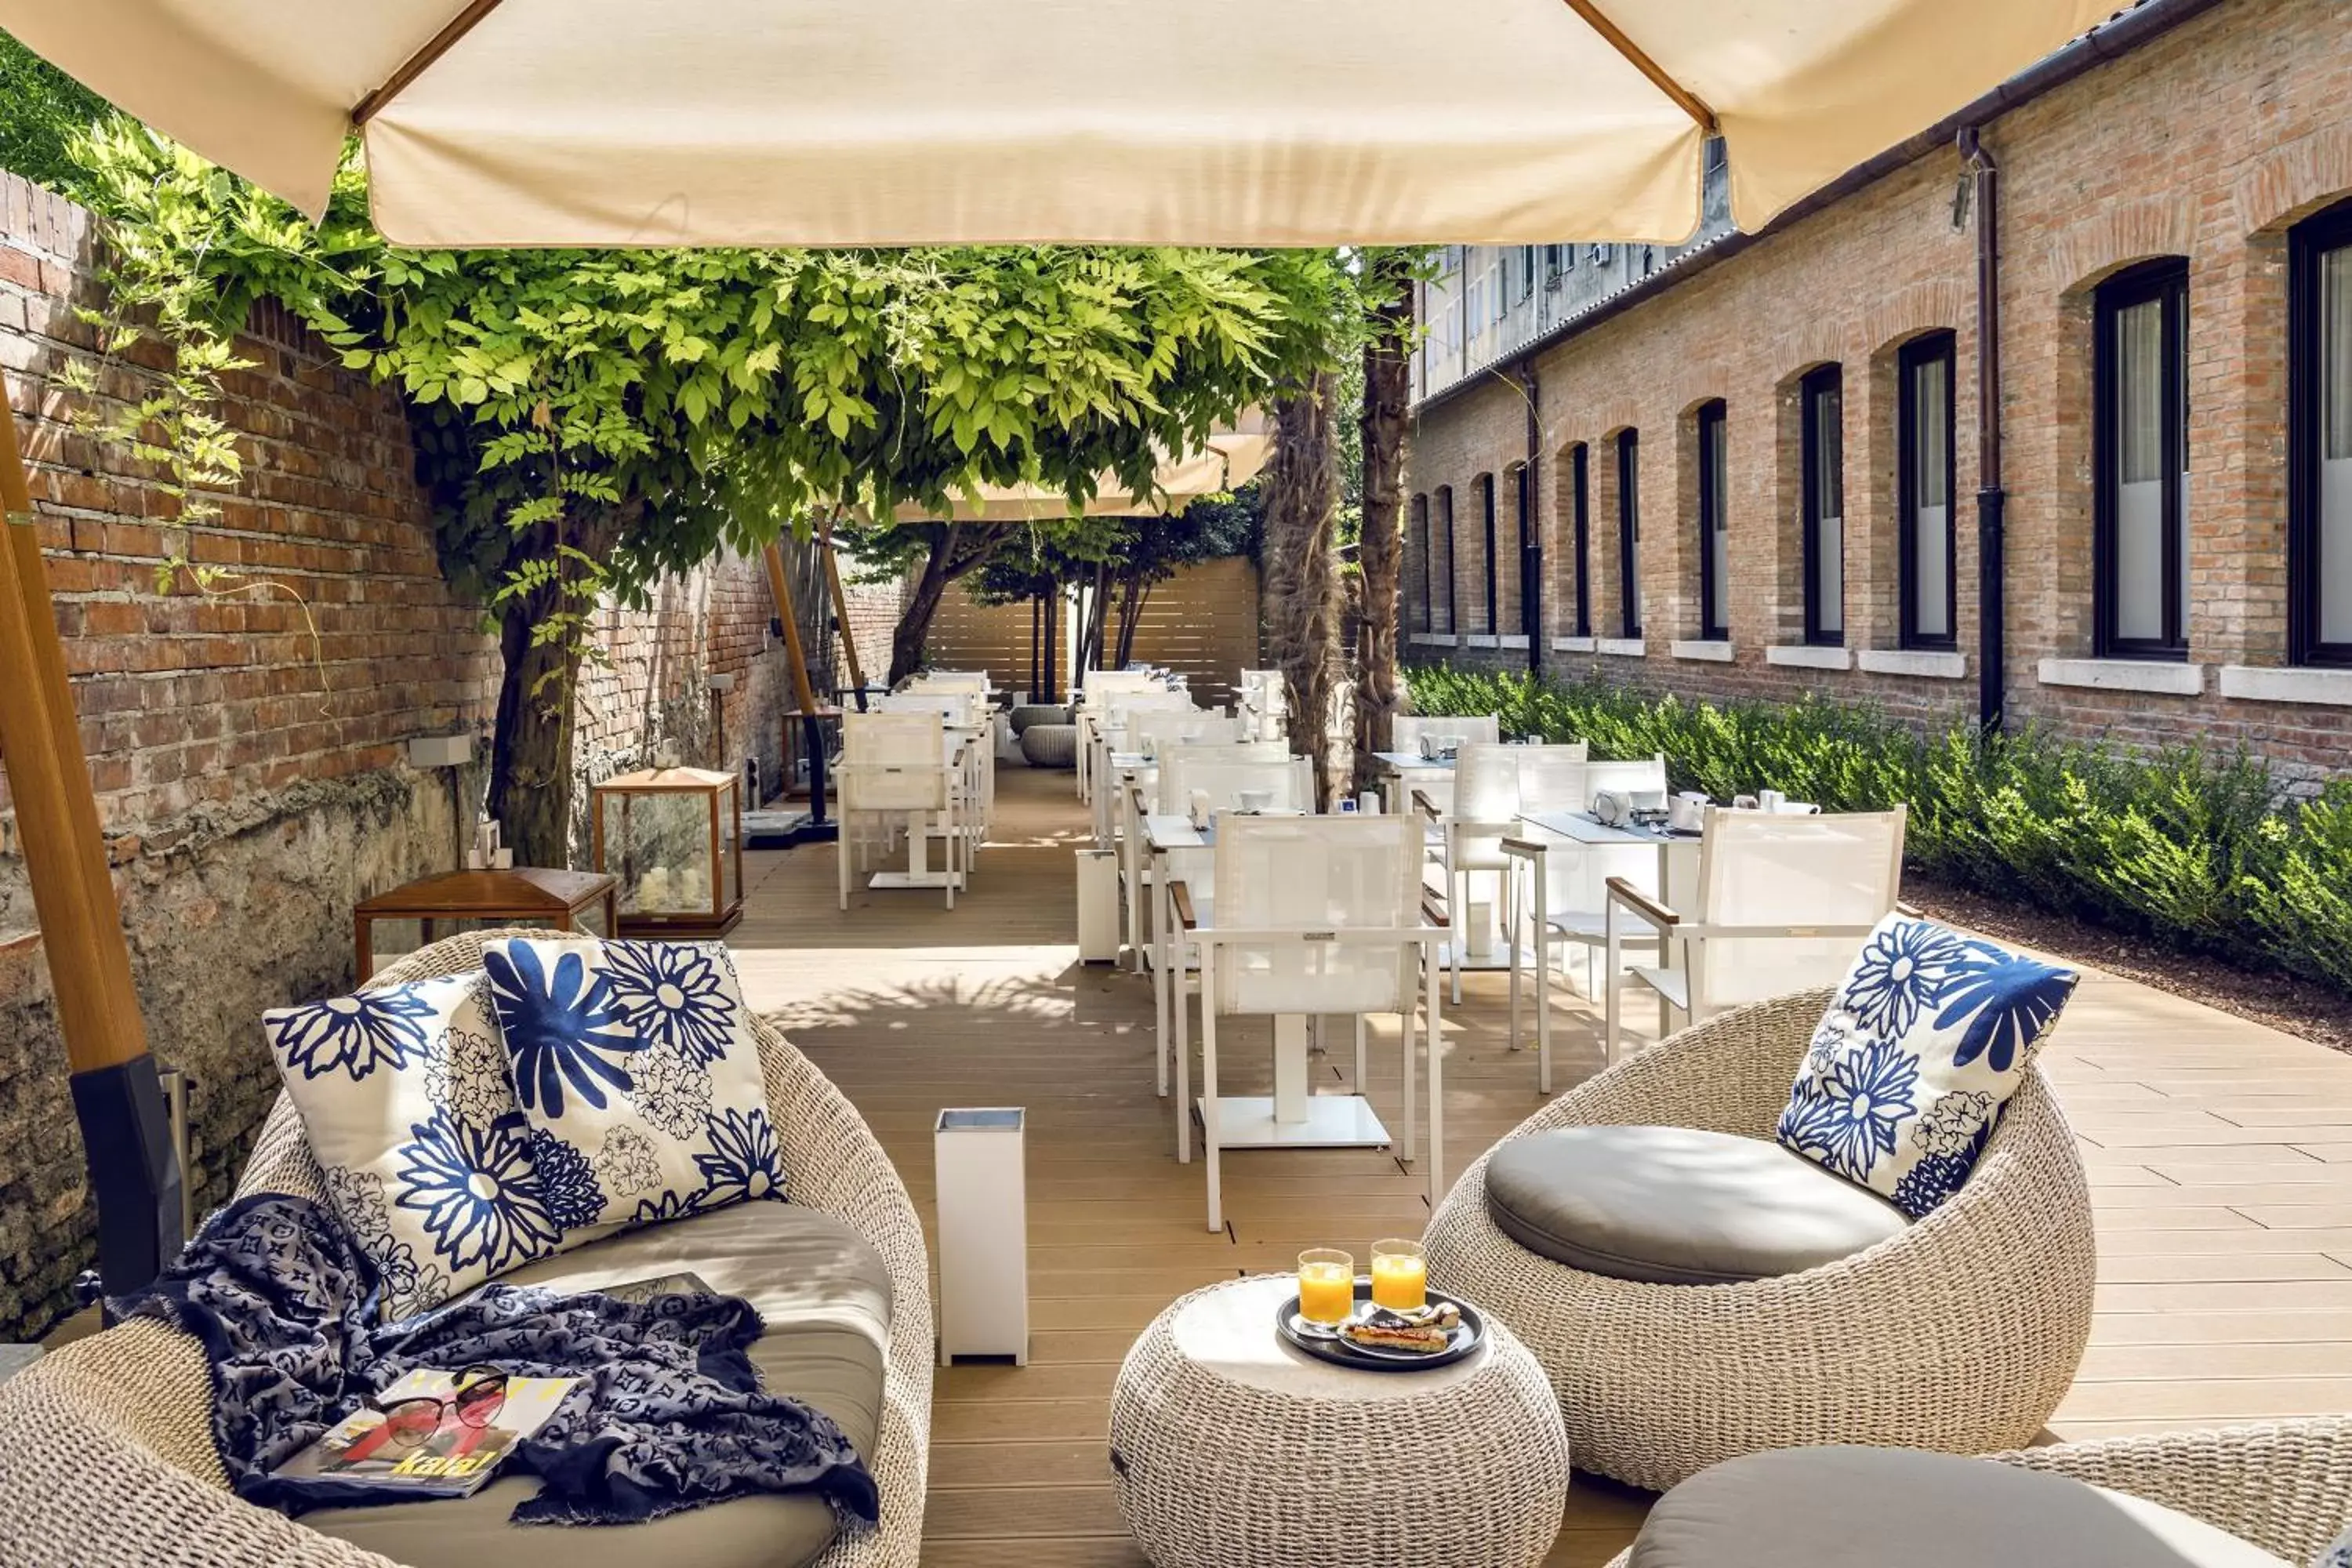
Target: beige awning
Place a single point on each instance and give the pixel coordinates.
(1228, 458)
(1261, 122)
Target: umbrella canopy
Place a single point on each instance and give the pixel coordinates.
(525, 122)
(1226, 460)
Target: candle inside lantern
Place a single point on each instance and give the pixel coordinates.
(652, 889)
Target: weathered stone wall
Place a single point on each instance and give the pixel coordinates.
(252, 782)
(2209, 143)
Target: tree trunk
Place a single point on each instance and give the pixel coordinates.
(1387, 392)
(956, 551)
(530, 745)
(1133, 598)
(1301, 518)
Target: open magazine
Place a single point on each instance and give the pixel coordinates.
(430, 1435)
(441, 1434)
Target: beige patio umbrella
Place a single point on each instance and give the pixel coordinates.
(1226, 460)
(1260, 123)
(896, 121)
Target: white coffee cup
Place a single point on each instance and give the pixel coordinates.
(1769, 799)
(1687, 811)
(1254, 800)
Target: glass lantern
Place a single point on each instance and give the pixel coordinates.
(673, 840)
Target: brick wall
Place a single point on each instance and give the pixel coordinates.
(2208, 142)
(252, 783)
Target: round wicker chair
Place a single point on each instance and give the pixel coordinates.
(106, 1449)
(1960, 1334)
(2284, 1487)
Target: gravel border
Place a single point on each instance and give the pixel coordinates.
(2297, 1006)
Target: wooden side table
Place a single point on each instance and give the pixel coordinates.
(579, 902)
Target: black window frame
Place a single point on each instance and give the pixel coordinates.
(1417, 527)
(2310, 240)
(1944, 346)
(1711, 430)
(1453, 592)
(2164, 282)
(1484, 485)
(1629, 533)
(1830, 379)
(1579, 475)
(1523, 502)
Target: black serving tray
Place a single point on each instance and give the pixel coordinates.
(1467, 1336)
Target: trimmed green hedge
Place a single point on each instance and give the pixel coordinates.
(2195, 852)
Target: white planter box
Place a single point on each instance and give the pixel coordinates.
(1097, 906)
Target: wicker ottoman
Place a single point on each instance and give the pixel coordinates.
(1232, 1450)
(1050, 745)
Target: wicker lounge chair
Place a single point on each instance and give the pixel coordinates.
(1961, 1333)
(106, 1450)
(2285, 1488)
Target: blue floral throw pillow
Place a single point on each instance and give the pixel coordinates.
(1921, 1048)
(430, 1164)
(636, 1061)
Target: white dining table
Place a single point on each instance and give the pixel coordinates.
(1401, 771)
(1291, 1117)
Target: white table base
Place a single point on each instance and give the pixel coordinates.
(1332, 1121)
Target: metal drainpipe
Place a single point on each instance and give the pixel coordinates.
(1993, 597)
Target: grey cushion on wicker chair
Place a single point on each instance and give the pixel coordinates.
(2284, 1490)
(1051, 746)
(1960, 1334)
(106, 1453)
(1678, 1207)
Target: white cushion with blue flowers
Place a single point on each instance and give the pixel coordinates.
(637, 1060)
(1920, 1049)
(2338, 1554)
(430, 1164)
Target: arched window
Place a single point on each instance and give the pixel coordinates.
(1580, 520)
(1714, 525)
(1629, 533)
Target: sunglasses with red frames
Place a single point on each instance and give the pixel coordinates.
(479, 1394)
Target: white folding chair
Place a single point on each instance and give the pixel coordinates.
(1560, 892)
(1311, 916)
(1152, 730)
(1260, 764)
(1091, 702)
(894, 767)
(964, 708)
(1107, 730)
(1782, 902)
(1438, 784)
(1494, 786)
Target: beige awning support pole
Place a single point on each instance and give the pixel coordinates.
(841, 612)
(57, 814)
(1689, 102)
(117, 1096)
(804, 694)
(417, 64)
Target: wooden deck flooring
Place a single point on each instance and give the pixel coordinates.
(2219, 1153)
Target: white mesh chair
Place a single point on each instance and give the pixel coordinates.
(1311, 916)
(965, 708)
(950, 681)
(894, 770)
(1153, 729)
(1484, 730)
(1782, 899)
(1494, 786)
(1103, 729)
(1220, 772)
(1560, 893)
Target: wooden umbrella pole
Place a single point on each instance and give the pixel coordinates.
(804, 694)
(841, 616)
(116, 1094)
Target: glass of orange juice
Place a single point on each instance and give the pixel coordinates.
(1327, 1286)
(1400, 1276)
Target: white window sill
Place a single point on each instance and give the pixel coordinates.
(2317, 687)
(1806, 656)
(2161, 676)
(1712, 650)
(1621, 647)
(1927, 663)
(1480, 639)
(1572, 644)
(1434, 639)
(1520, 642)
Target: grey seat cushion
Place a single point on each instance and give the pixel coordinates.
(1675, 1206)
(1896, 1507)
(823, 1295)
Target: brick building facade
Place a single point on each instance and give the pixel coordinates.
(2155, 210)
(253, 785)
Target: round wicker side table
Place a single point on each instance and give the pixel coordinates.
(1232, 1450)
